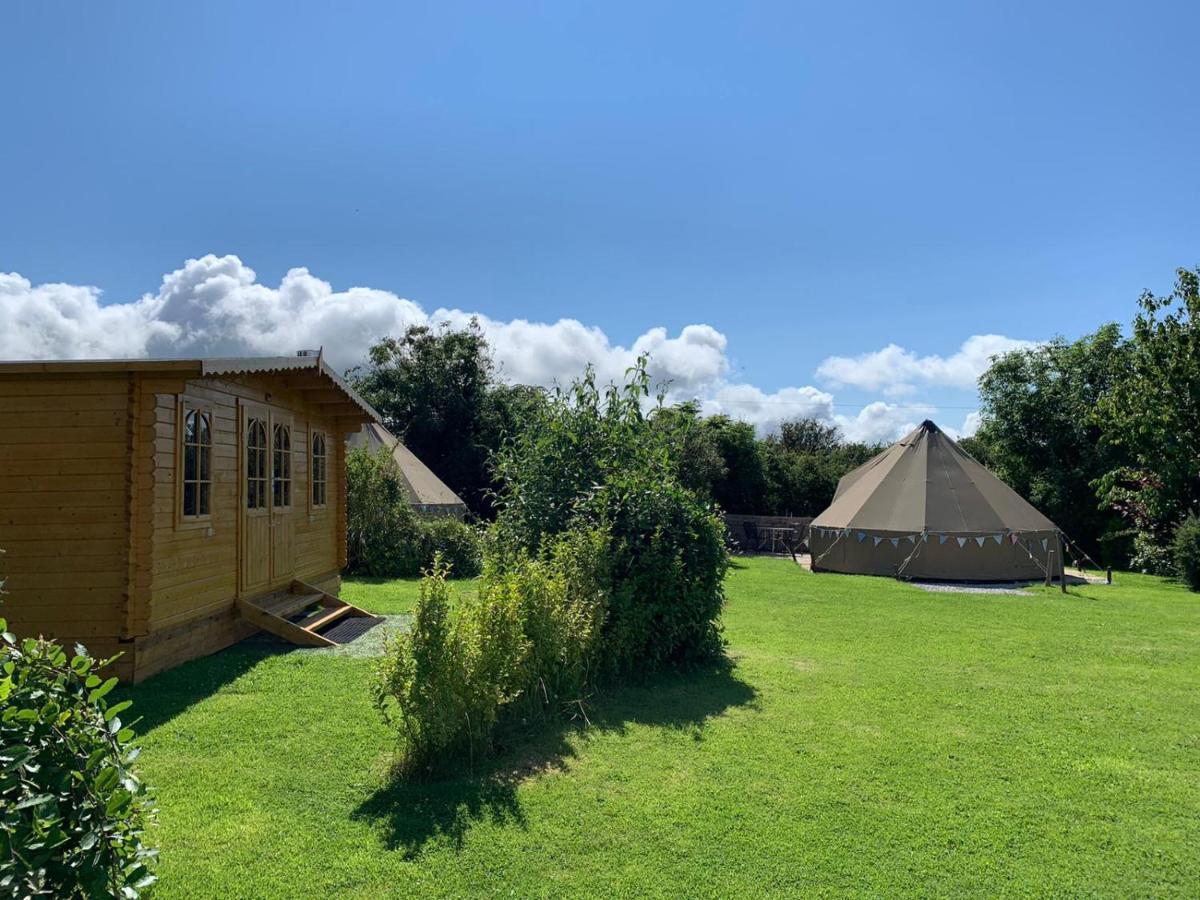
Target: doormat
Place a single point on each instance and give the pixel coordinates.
(351, 628)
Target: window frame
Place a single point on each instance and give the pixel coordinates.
(184, 408)
(263, 478)
(313, 481)
(276, 424)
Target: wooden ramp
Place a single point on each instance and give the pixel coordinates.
(301, 615)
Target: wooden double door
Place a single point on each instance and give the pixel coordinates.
(266, 544)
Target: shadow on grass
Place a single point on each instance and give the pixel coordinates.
(412, 813)
(162, 697)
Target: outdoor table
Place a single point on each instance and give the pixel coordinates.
(777, 532)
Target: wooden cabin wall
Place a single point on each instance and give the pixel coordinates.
(64, 505)
(193, 577)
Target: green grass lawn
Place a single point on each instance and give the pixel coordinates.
(870, 738)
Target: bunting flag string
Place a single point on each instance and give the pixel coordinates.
(1014, 538)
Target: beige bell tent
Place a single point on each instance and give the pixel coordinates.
(924, 508)
(429, 495)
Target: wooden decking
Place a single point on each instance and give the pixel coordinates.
(299, 615)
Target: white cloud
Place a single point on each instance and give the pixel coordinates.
(970, 424)
(63, 320)
(214, 306)
(896, 371)
(881, 422)
(767, 411)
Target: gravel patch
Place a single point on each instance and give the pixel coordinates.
(953, 587)
(371, 643)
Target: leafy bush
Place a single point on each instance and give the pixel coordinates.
(600, 563)
(665, 565)
(591, 459)
(562, 600)
(521, 650)
(385, 537)
(1186, 551)
(457, 543)
(72, 813)
(382, 533)
(442, 684)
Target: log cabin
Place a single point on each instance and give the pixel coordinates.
(165, 509)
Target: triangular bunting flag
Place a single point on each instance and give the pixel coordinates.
(862, 536)
(1045, 541)
(980, 540)
(925, 537)
(1014, 537)
(912, 538)
(962, 542)
(895, 541)
(999, 538)
(877, 540)
(942, 538)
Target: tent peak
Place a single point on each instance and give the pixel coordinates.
(929, 425)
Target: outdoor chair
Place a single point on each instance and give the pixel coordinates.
(753, 542)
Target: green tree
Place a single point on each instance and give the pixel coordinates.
(1152, 414)
(744, 487)
(692, 446)
(1039, 432)
(803, 463)
(436, 390)
(808, 435)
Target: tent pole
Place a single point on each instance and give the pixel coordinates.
(1062, 563)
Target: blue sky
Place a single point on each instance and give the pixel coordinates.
(808, 180)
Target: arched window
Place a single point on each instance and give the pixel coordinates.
(256, 465)
(282, 469)
(197, 463)
(319, 469)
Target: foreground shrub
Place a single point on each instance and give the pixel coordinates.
(442, 684)
(590, 459)
(519, 651)
(562, 599)
(384, 536)
(600, 564)
(665, 565)
(1186, 551)
(72, 813)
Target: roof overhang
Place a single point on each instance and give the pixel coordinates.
(310, 376)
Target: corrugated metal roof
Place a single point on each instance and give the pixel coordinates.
(214, 366)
